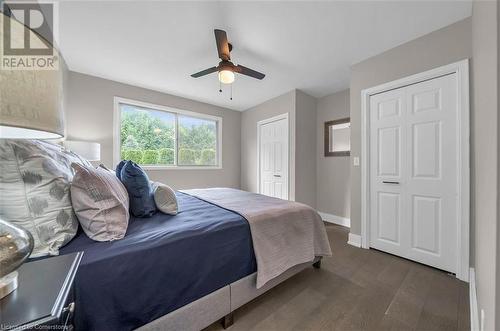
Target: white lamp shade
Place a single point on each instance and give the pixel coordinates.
(88, 150)
(226, 76)
(30, 100)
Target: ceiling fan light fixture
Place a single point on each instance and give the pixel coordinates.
(226, 69)
(226, 76)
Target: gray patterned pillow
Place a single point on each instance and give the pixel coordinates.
(165, 198)
(34, 191)
(100, 201)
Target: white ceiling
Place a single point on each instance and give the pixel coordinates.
(304, 45)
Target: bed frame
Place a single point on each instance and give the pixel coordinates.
(220, 304)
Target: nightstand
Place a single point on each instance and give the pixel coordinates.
(44, 298)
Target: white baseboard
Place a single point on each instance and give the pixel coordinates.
(474, 314)
(354, 240)
(339, 220)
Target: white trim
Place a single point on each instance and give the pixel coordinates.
(461, 69)
(289, 148)
(165, 108)
(474, 315)
(292, 139)
(339, 220)
(354, 240)
(116, 132)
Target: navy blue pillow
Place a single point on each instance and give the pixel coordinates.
(142, 203)
(119, 168)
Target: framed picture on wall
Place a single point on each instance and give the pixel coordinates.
(337, 137)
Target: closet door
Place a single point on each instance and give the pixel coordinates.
(273, 159)
(413, 176)
(388, 171)
(431, 185)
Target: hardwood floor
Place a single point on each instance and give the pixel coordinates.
(359, 289)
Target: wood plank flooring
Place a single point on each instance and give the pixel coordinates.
(359, 289)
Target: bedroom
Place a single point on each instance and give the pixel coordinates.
(227, 231)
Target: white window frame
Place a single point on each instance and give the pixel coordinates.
(117, 127)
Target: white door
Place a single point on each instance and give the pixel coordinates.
(273, 158)
(413, 176)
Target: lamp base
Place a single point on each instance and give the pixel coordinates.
(8, 283)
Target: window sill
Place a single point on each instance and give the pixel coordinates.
(145, 167)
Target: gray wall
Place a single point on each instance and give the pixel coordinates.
(497, 302)
(333, 174)
(65, 83)
(444, 46)
(305, 149)
(301, 109)
(280, 105)
(89, 116)
(485, 157)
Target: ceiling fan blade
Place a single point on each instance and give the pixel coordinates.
(249, 72)
(204, 72)
(222, 44)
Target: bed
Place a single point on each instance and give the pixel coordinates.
(170, 272)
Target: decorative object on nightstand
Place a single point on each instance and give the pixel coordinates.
(16, 245)
(42, 302)
(30, 108)
(86, 149)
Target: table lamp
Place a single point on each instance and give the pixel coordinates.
(30, 108)
(90, 151)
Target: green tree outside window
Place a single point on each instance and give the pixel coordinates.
(148, 137)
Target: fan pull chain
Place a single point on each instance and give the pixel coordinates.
(231, 98)
(220, 87)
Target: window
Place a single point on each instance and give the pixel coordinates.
(197, 141)
(156, 136)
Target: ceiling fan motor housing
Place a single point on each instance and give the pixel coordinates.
(226, 65)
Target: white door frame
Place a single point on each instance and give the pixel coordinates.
(259, 125)
(461, 69)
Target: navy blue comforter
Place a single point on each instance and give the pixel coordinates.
(163, 263)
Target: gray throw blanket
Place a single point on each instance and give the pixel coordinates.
(284, 233)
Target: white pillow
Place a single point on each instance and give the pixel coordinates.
(165, 198)
(100, 202)
(35, 181)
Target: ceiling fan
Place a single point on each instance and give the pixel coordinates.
(226, 69)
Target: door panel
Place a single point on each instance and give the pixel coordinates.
(389, 150)
(273, 158)
(389, 213)
(413, 172)
(278, 190)
(267, 156)
(426, 224)
(278, 156)
(427, 149)
(267, 188)
(426, 99)
(389, 108)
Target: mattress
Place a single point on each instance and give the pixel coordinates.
(163, 263)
